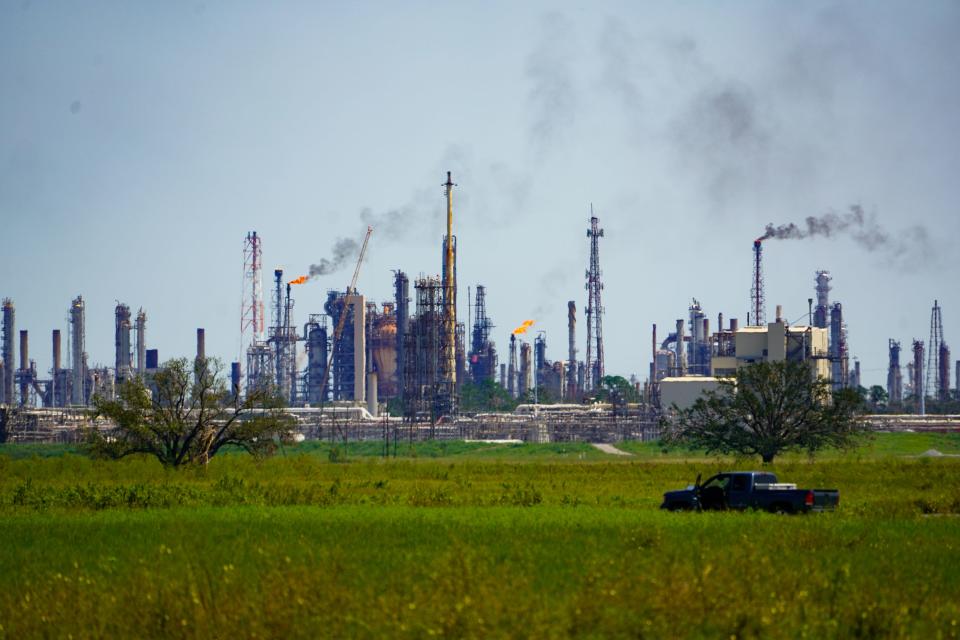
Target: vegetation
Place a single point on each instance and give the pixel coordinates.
(473, 546)
(486, 395)
(186, 416)
(767, 409)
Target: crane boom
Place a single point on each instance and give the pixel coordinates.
(343, 317)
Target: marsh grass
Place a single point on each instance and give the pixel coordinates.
(535, 543)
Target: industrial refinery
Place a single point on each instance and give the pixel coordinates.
(365, 367)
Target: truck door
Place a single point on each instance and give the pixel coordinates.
(713, 492)
(738, 491)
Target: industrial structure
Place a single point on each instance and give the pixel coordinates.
(894, 375)
(594, 360)
(404, 362)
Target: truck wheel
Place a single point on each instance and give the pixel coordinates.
(678, 506)
(781, 509)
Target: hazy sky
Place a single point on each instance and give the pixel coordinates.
(139, 142)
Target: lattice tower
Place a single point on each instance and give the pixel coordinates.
(594, 285)
(932, 381)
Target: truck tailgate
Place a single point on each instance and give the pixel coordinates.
(825, 499)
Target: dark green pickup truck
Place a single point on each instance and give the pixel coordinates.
(750, 490)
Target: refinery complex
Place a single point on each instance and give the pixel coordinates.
(405, 362)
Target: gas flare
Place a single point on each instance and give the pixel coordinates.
(523, 327)
(300, 280)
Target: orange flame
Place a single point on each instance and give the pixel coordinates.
(300, 280)
(523, 328)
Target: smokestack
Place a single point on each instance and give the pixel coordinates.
(720, 322)
(757, 298)
(201, 346)
(450, 303)
(571, 350)
(779, 313)
(810, 311)
(235, 379)
(77, 357)
(9, 354)
(402, 298)
(24, 368)
(525, 369)
(681, 350)
(918, 391)
(56, 352)
(512, 367)
(734, 325)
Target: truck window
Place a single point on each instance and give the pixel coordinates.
(740, 483)
(717, 481)
(766, 478)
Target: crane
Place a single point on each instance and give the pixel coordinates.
(343, 318)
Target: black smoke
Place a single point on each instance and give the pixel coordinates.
(861, 227)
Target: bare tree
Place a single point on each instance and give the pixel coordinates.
(185, 414)
(767, 409)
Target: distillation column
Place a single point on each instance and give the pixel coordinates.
(77, 355)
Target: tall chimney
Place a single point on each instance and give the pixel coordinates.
(24, 368)
(681, 350)
(449, 303)
(9, 355)
(201, 346)
(571, 350)
(56, 353)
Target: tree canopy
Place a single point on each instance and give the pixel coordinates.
(767, 409)
(185, 414)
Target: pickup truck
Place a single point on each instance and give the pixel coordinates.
(750, 490)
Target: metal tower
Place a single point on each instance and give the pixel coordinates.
(594, 362)
(252, 322)
(756, 287)
(933, 380)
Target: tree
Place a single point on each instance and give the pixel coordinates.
(770, 408)
(877, 396)
(185, 414)
(486, 395)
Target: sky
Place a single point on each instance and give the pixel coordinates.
(140, 142)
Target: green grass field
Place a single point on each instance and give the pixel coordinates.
(473, 540)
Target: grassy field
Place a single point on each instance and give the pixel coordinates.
(470, 540)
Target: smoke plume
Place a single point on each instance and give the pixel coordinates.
(343, 250)
(549, 68)
(861, 227)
